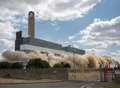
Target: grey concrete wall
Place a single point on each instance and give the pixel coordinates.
(55, 74)
(85, 76)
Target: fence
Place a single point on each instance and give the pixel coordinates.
(87, 75)
(54, 74)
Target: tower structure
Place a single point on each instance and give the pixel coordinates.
(18, 40)
(31, 24)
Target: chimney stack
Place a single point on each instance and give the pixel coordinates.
(18, 40)
(31, 24)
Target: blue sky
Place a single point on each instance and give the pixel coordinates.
(79, 23)
(60, 30)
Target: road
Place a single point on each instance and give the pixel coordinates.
(66, 84)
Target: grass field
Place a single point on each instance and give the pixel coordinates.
(113, 85)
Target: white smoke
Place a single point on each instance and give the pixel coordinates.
(15, 56)
(75, 60)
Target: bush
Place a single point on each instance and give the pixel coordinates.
(4, 65)
(58, 65)
(37, 63)
(61, 65)
(66, 65)
(16, 65)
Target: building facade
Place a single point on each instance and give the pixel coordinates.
(31, 43)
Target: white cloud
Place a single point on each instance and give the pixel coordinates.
(48, 9)
(106, 31)
(6, 44)
(62, 10)
(7, 36)
(7, 30)
(71, 37)
(101, 35)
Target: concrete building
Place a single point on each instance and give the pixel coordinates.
(31, 43)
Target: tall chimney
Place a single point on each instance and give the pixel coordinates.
(31, 24)
(18, 40)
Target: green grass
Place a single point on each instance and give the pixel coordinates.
(113, 85)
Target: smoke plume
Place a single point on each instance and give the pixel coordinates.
(75, 60)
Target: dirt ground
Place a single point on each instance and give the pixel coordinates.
(19, 81)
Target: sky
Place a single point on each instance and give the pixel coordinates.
(92, 25)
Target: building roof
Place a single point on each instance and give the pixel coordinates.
(51, 45)
(41, 43)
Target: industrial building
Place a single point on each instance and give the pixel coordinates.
(31, 43)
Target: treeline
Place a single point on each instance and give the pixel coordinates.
(33, 63)
(7, 65)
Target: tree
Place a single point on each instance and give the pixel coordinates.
(4, 65)
(61, 65)
(37, 63)
(66, 65)
(58, 65)
(7, 65)
(16, 65)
